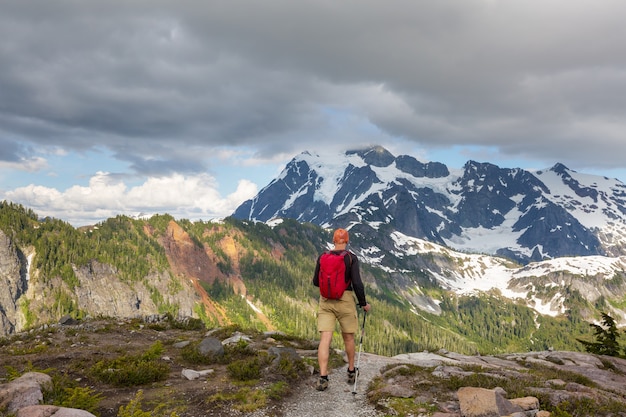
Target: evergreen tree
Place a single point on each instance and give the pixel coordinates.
(606, 338)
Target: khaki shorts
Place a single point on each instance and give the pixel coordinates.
(342, 310)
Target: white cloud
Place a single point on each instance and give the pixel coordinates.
(189, 197)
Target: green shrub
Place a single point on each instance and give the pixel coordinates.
(245, 369)
(81, 398)
(409, 407)
(557, 412)
(154, 352)
(157, 327)
(133, 370)
(290, 368)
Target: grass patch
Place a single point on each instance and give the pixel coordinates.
(277, 390)
(135, 409)
(246, 400)
(407, 407)
(29, 350)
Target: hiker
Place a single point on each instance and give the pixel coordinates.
(343, 309)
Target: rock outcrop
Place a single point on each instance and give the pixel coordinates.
(12, 281)
(557, 377)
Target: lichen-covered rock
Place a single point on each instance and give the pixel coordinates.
(24, 391)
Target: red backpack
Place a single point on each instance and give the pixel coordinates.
(332, 277)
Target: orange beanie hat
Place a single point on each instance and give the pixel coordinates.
(341, 236)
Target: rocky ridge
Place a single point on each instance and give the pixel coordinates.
(439, 384)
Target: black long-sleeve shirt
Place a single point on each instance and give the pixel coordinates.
(353, 274)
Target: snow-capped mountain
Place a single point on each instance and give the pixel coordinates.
(523, 215)
(544, 286)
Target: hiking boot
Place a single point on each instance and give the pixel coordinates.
(351, 376)
(322, 384)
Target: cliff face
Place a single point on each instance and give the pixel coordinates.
(13, 283)
(100, 292)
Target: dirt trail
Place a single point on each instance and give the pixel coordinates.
(338, 400)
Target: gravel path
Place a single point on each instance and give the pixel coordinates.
(338, 400)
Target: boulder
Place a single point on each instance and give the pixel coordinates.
(24, 391)
(481, 402)
(211, 346)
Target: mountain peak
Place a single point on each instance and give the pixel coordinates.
(374, 155)
(559, 168)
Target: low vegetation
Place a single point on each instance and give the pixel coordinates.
(133, 370)
(116, 368)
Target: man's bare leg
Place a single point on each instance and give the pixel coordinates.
(323, 352)
(348, 340)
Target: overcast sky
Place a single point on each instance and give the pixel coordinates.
(191, 107)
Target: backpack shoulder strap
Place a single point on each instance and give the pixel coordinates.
(348, 254)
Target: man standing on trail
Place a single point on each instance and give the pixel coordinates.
(342, 309)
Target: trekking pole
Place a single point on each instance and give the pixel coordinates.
(358, 360)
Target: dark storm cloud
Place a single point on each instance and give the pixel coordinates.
(532, 78)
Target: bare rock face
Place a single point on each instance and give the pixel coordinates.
(101, 292)
(12, 281)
